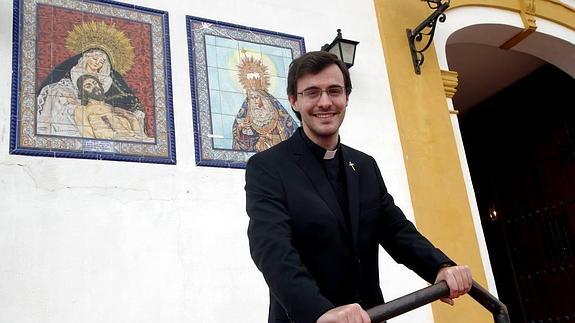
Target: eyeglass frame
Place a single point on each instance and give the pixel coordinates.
(333, 96)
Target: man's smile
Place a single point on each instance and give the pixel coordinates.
(324, 115)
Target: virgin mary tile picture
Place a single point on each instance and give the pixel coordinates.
(239, 80)
(91, 80)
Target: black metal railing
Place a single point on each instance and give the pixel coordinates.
(432, 293)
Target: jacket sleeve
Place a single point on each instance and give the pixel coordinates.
(270, 238)
(403, 242)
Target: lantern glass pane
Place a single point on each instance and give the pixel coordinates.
(335, 50)
(348, 51)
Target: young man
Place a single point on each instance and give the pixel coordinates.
(319, 211)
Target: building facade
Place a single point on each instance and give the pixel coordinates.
(114, 241)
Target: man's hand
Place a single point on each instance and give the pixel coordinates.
(458, 279)
(350, 313)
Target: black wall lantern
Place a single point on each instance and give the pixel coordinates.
(342, 48)
(428, 25)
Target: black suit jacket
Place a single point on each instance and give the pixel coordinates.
(310, 259)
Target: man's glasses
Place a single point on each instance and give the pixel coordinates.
(314, 93)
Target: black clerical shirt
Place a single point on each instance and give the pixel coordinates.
(334, 171)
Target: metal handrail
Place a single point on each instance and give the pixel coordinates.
(432, 293)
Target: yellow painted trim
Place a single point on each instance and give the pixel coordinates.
(450, 82)
(437, 187)
(551, 10)
(527, 14)
(559, 3)
(529, 10)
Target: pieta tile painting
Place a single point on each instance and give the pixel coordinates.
(239, 79)
(91, 79)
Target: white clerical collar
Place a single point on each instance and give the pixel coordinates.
(329, 154)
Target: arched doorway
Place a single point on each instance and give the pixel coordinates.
(517, 121)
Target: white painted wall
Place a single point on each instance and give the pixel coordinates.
(103, 241)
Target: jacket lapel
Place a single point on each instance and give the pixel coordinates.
(316, 174)
(352, 178)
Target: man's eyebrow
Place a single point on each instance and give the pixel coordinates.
(311, 88)
(318, 88)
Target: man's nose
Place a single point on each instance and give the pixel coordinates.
(324, 99)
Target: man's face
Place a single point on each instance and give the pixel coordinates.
(92, 89)
(322, 116)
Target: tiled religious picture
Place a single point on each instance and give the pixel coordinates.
(91, 79)
(239, 79)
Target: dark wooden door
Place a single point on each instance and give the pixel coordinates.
(520, 146)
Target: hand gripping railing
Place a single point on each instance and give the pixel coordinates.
(434, 292)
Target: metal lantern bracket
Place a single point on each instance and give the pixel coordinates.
(428, 25)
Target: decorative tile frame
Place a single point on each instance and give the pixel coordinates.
(135, 124)
(219, 55)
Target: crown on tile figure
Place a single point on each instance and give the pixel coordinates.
(99, 35)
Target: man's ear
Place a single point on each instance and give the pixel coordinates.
(293, 100)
